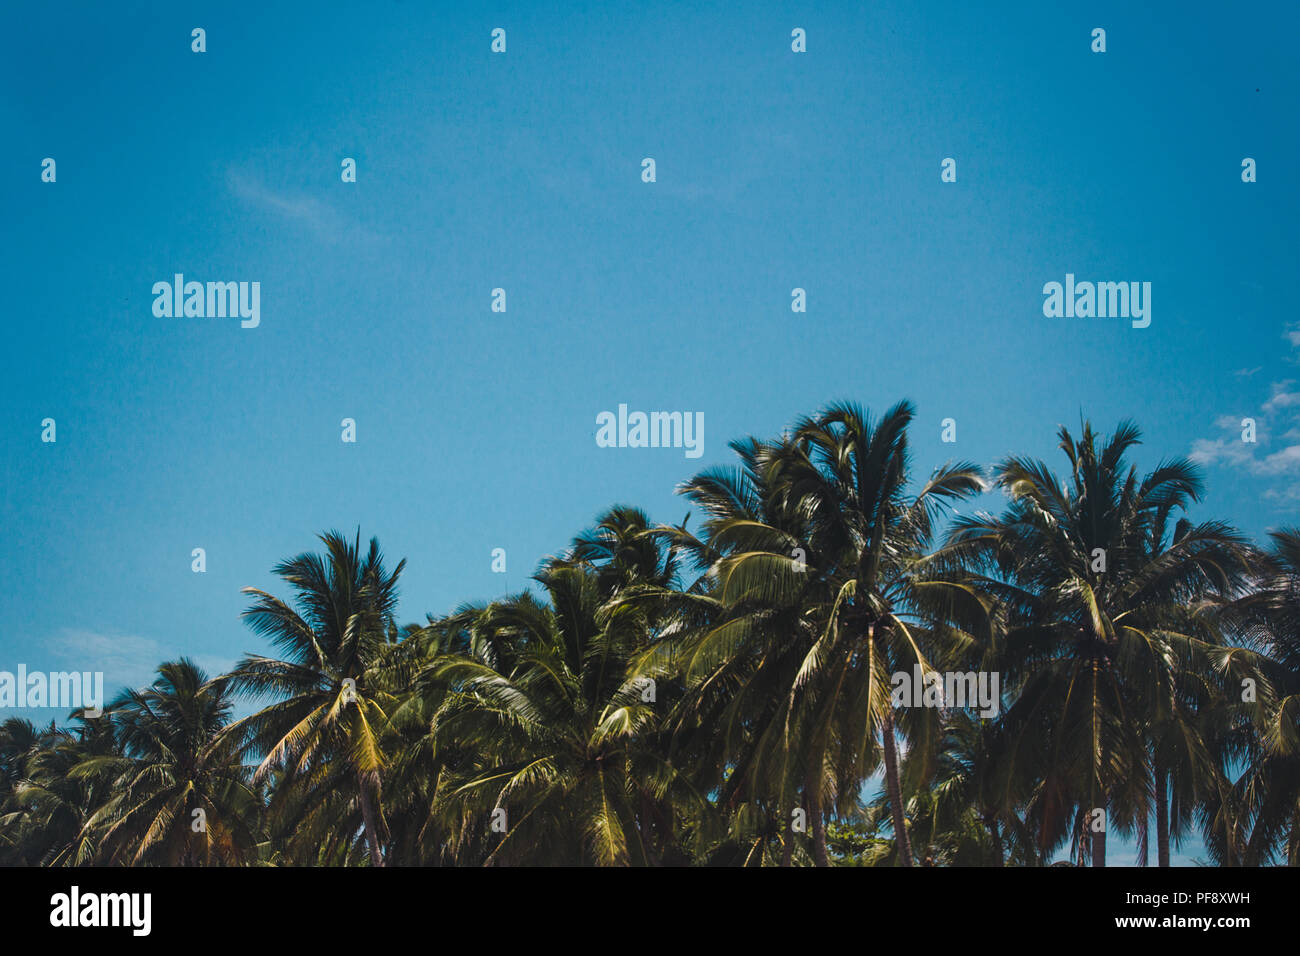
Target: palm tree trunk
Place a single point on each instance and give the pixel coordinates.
(369, 817)
(813, 797)
(1162, 818)
(895, 790)
(787, 851)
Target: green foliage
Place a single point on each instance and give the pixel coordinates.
(721, 694)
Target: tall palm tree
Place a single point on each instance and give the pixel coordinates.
(543, 695)
(893, 598)
(819, 564)
(326, 730)
(20, 741)
(693, 693)
(626, 557)
(626, 551)
(1104, 611)
(180, 793)
(1258, 820)
(737, 639)
(51, 802)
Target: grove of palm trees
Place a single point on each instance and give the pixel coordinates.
(722, 691)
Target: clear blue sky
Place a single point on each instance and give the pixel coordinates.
(476, 429)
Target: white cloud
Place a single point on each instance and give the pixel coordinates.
(1277, 420)
(1281, 462)
(126, 660)
(1281, 398)
(320, 217)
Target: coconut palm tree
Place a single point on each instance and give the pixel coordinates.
(180, 793)
(894, 597)
(51, 802)
(724, 693)
(736, 640)
(626, 551)
(1104, 613)
(820, 572)
(1257, 821)
(542, 694)
(326, 729)
(19, 740)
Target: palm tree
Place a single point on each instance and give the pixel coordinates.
(326, 730)
(1258, 819)
(964, 812)
(1104, 613)
(693, 693)
(626, 552)
(180, 792)
(736, 639)
(879, 540)
(50, 802)
(542, 694)
(822, 589)
(19, 741)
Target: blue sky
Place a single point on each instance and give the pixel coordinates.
(476, 429)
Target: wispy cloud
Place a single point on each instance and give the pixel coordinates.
(126, 660)
(322, 219)
(1275, 452)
